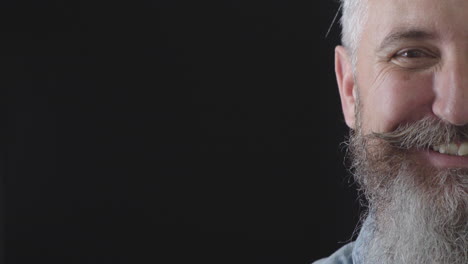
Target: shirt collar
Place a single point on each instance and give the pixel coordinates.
(363, 240)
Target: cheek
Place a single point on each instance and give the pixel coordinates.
(400, 98)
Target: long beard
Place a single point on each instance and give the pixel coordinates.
(420, 213)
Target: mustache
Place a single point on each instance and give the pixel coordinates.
(424, 133)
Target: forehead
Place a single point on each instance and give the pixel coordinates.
(445, 18)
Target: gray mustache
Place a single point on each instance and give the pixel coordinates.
(424, 133)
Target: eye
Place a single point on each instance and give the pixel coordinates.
(411, 53)
(414, 58)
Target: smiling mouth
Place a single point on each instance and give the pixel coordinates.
(453, 149)
(447, 156)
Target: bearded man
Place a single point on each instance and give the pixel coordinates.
(402, 74)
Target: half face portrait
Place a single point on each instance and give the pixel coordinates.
(402, 73)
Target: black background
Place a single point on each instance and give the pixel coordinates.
(172, 132)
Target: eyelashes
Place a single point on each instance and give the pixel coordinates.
(412, 53)
(414, 58)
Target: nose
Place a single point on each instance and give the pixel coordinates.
(451, 91)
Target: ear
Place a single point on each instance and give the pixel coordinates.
(346, 85)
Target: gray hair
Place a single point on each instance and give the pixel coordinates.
(352, 20)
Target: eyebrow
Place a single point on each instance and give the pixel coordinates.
(405, 35)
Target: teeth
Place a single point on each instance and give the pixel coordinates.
(443, 149)
(452, 149)
(463, 150)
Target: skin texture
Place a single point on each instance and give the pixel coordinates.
(422, 71)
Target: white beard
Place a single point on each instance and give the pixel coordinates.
(419, 214)
(421, 221)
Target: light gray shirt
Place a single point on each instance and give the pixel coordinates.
(341, 256)
(352, 253)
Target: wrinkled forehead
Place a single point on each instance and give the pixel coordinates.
(444, 18)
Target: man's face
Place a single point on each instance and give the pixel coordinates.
(407, 95)
(412, 63)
